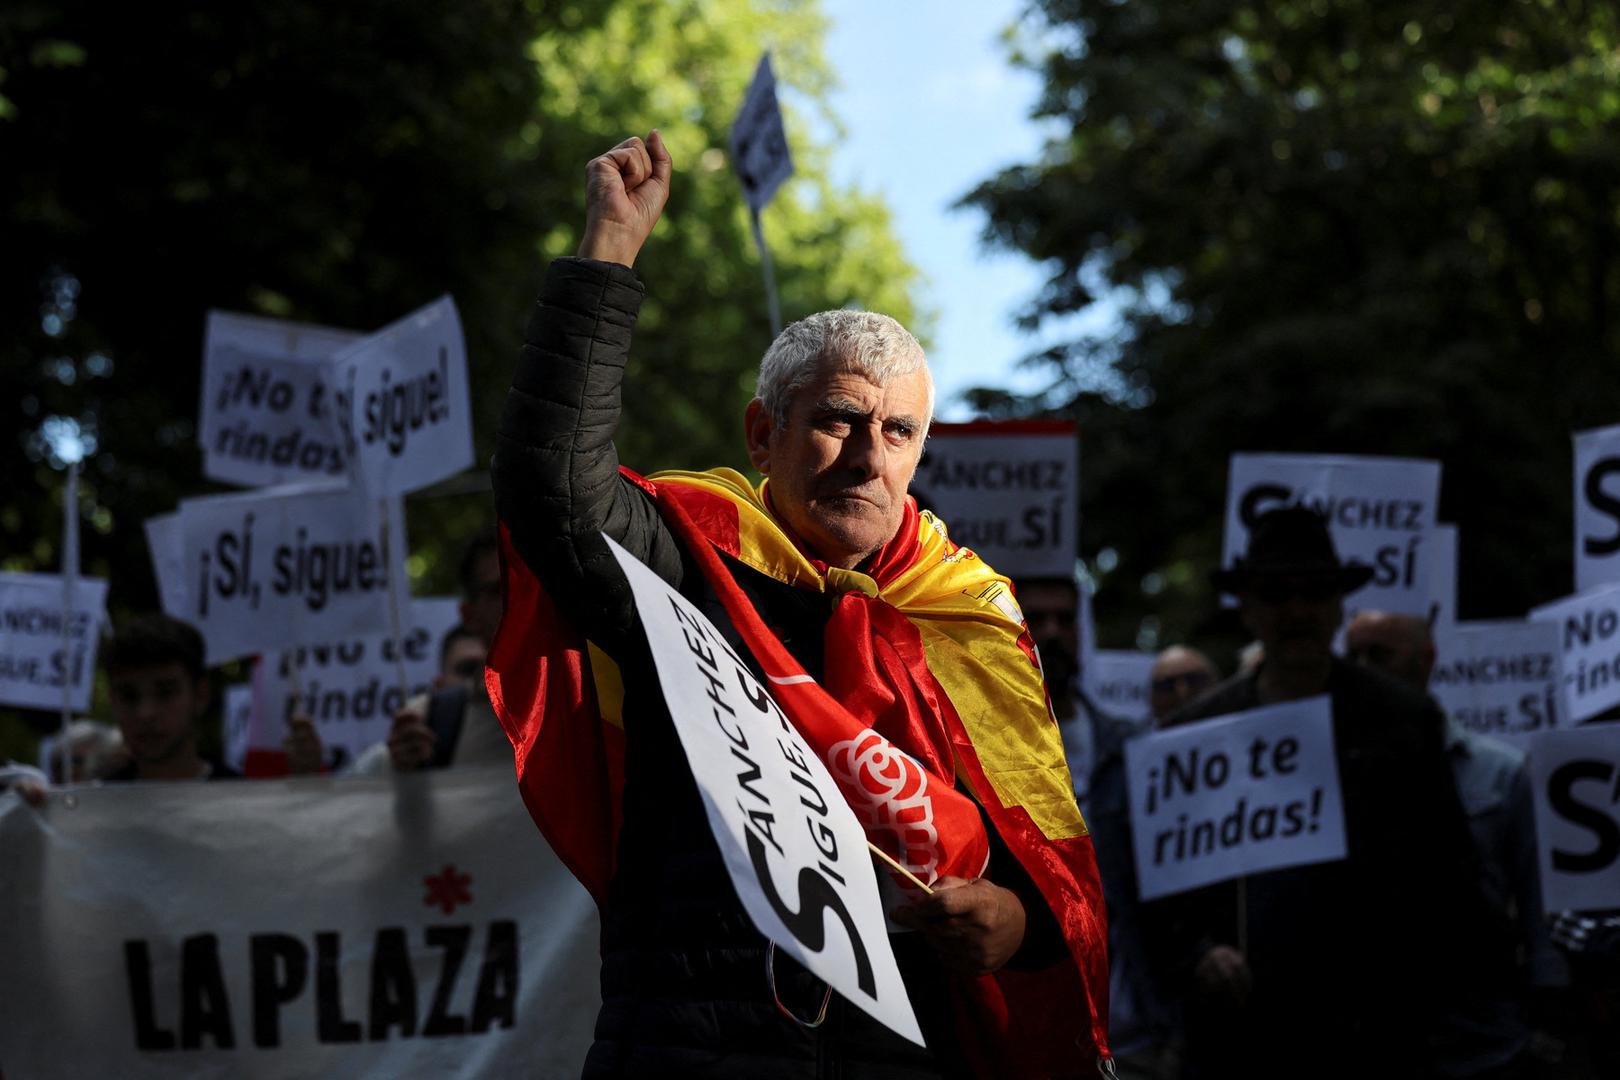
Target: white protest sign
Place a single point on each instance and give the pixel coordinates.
(1502, 679)
(299, 929)
(36, 657)
(236, 722)
(406, 401)
(1576, 778)
(759, 147)
(267, 569)
(1597, 508)
(800, 867)
(166, 544)
(1381, 512)
(267, 414)
(1255, 791)
(350, 688)
(1007, 489)
(1587, 625)
(1118, 682)
(1443, 577)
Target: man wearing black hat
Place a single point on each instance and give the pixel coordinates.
(1336, 969)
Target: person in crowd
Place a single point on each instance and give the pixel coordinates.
(1488, 1035)
(1179, 674)
(1336, 969)
(826, 570)
(461, 658)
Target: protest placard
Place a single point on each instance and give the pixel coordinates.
(405, 403)
(1381, 512)
(1502, 679)
(236, 720)
(267, 414)
(350, 688)
(759, 147)
(1118, 682)
(1007, 489)
(1576, 779)
(1597, 508)
(1587, 624)
(403, 927)
(43, 645)
(278, 567)
(1254, 791)
(794, 849)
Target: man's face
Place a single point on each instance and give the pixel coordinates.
(1050, 610)
(1378, 640)
(464, 664)
(1178, 676)
(1295, 618)
(157, 708)
(840, 465)
(481, 611)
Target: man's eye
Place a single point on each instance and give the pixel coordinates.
(834, 425)
(901, 434)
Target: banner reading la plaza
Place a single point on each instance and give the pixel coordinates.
(413, 926)
(1381, 512)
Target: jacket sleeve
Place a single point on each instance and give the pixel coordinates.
(555, 471)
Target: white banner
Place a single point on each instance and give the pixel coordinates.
(267, 414)
(1587, 626)
(797, 864)
(36, 657)
(1381, 512)
(1240, 794)
(1597, 508)
(1576, 775)
(264, 570)
(759, 147)
(407, 402)
(410, 926)
(1118, 683)
(1502, 679)
(1008, 490)
(350, 688)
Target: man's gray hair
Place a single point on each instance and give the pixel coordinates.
(863, 343)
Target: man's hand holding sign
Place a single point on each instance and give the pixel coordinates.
(850, 617)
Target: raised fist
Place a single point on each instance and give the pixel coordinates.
(625, 192)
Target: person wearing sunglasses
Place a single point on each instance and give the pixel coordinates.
(1179, 675)
(1346, 967)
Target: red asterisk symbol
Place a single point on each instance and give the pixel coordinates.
(446, 889)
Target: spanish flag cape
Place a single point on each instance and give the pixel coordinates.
(927, 649)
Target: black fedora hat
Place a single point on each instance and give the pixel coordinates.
(1291, 542)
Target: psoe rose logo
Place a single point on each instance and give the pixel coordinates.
(888, 790)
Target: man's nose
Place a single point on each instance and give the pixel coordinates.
(863, 452)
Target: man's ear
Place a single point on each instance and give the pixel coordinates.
(757, 427)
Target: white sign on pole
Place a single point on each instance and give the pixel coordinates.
(1255, 791)
(1118, 683)
(276, 567)
(236, 721)
(406, 402)
(759, 147)
(1007, 489)
(1597, 508)
(1502, 679)
(1381, 512)
(44, 649)
(166, 543)
(267, 414)
(408, 926)
(350, 688)
(1443, 578)
(800, 867)
(1587, 626)
(1576, 776)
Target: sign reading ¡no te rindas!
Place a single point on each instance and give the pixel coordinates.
(1381, 512)
(1575, 776)
(1241, 794)
(795, 851)
(1010, 490)
(1589, 638)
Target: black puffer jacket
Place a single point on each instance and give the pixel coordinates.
(683, 970)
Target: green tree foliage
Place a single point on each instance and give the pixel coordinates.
(345, 163)
(1333, 225)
